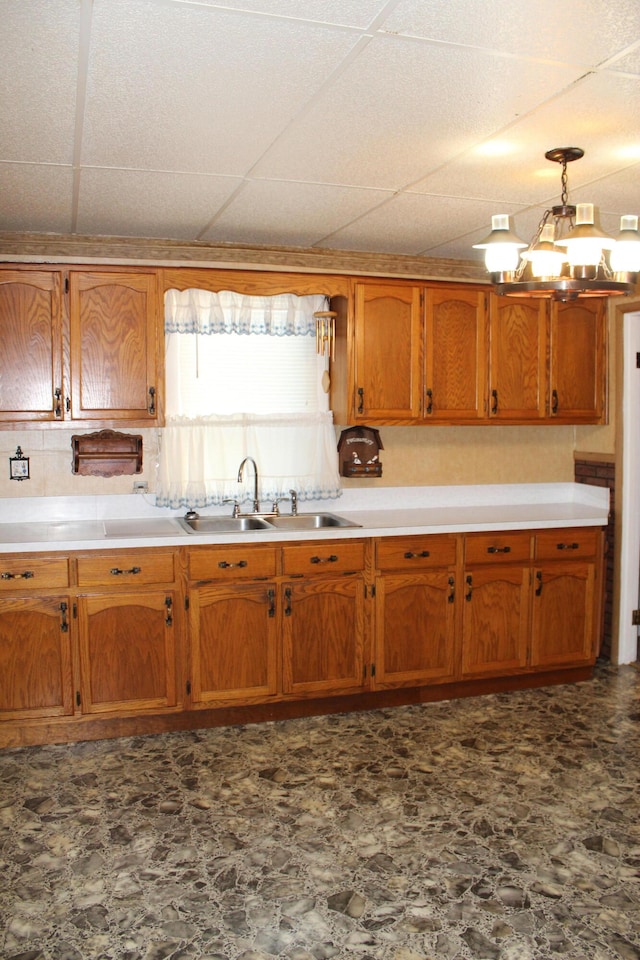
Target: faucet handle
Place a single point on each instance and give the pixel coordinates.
(236, 506)
(294, 502)
(275, 509)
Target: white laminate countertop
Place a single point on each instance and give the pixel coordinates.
(30, 525)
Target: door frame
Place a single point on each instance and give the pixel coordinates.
(628, 472)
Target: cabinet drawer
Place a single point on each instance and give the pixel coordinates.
(232, 562)
(33, 572)
(567, 543)
(414, 553)
(339, 556)
(497, 548)
(126, 569)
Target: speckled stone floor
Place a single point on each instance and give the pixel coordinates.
(505, 827)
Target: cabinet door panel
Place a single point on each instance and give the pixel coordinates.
(113, 346)
(388, 330)
(578, 361)
(455, 354)
(35, 658)
(563, 614)
(495, 620)
(233, 632)
(323, 636)
(415, 623)
(127, 651)
(31, 345)
(518, 358)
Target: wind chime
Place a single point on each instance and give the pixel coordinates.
(326, 333)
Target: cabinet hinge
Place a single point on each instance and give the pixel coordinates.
(635, 618)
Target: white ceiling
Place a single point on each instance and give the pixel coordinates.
(390, 126)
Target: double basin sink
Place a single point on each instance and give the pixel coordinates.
(269, 521)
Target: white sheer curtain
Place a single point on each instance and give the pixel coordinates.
(227, 358)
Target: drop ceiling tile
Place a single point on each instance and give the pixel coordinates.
(411, 223)
(36, 198)
(355, 13)
(394, 113)
(212, 87)
(575, 31)
(38, 80)
(298, 214)
(149, 203)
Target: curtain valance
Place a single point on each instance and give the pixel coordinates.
(204, 312)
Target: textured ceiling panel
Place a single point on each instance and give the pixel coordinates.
(138, 203)
(36, 194)
(38, 70)
(294, 214)
(395, 113)
(355, 13)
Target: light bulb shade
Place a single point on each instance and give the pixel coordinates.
(625, 255)
(545, 259)
(501, 247)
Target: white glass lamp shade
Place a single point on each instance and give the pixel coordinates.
(502, 246)
(545, 258)
(625, 255)
(585, 244)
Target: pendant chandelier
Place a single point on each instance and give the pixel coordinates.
(569, 257)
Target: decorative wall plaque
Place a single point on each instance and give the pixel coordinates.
(359, 450)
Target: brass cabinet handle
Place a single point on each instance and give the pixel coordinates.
(117, 572)
(567, 546)
(26, 575)
(411, 556)
(361, 400)
(330, 559)
(152, 400)
(498, 549)
(539, 579)
(494, 402)
(57, 402)
(429, 407)
(452, 590)
(224, 564)
(554, 401)
(271, 597)
(287, 602)
(469, 592)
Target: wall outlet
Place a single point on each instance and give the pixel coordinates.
(140, 486)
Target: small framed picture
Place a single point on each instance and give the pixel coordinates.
(19, 466)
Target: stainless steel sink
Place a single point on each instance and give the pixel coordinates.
(310, 521)
(253, 522)
(223, 524)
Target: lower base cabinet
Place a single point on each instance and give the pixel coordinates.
(94, 640)
(127, 651)
(35, 658)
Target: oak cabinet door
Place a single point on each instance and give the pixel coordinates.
(495, 620)
(415, 628)
(127, 651)
(233, 640)
(388, 333)
(30, 346)
(563, 614)
(114, 346)
(35, 658)
(323, 636)
(455, 354)
(577, 377)
(517, 359)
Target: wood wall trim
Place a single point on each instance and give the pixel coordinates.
(58, 248)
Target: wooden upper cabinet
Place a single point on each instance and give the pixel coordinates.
(31, 345)
(114, 345)
(577, 376)
(517, 358)
(455, 354)
(388, 332)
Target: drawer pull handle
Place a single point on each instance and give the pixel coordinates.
(224, 564)
(539, 582)
(567, 546)
(469, 592)
(360, 399)
(412, 556)
(27, 575)
(429, 405)
(452, 590)
(117, 572)
(498, 549)
(330, 559)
